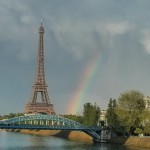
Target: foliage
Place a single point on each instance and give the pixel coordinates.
(11, 115)
(146, 121)
(74, 117)
(147, 129)
(91, 114)
(138, 131)
(130, 108)
(112, 118)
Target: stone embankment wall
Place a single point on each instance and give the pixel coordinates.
(71, 135)
(132, 141)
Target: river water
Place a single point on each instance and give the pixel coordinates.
(18, 141)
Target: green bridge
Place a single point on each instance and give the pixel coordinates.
(48, 122)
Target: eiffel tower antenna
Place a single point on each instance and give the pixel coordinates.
(39, 86)
(41, 21)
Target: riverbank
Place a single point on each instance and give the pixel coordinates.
(131, 141)
(81, 136)
(71, 135)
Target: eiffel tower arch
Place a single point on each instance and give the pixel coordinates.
(40, 87)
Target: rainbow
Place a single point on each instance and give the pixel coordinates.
(84, 83)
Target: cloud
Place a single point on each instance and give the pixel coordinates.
(73, 34)
(80, 37)
(145, 40)
(75, 31)
(118, 28)
(16, 21)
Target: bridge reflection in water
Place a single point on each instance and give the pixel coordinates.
(48, 122)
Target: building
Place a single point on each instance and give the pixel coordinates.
(147, 102)
(103, 120)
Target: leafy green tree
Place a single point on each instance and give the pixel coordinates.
(76, 118)
(146, 121)
(91, 114)
(111, 116)
(11, 115)
(147, 129)
(130, 107)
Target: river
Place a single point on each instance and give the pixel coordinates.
(18, 141)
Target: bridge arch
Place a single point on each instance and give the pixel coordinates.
(40, 117)
(47, 122)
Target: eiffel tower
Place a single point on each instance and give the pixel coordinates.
(40, 87)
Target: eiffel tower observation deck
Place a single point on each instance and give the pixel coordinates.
(42, 105)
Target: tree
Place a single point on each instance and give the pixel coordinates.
(11, 115)
(91, 114)
(146, 122)
(76, 118)
(147, 129)
(111, 116)
(130, 108)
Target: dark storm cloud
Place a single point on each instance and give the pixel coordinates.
(75, 32)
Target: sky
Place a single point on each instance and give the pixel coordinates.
(94, 50)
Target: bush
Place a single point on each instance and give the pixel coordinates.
(138, 131)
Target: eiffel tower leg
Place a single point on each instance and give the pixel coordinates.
(42, 97)
(47, 97)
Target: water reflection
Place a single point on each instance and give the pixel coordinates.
(37, 141)
(17, 141)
